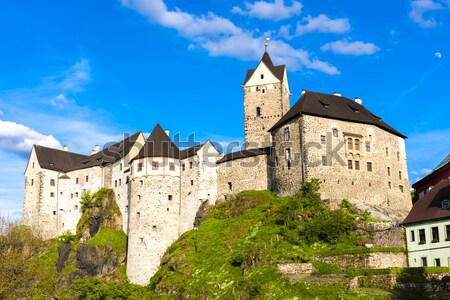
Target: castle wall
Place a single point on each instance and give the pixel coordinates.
(153, 223)
(250, 173)
(120, 183)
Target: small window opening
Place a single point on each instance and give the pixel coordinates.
(262, 76)
(230, 186)
(258, 111)
(169, 197)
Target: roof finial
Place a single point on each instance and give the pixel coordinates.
(266, 43)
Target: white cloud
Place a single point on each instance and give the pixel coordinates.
(350, 48)
(420, 7)
(438, 54)
(424, 172)
(324, 24)
(76, 77)
(1, 113)
(220, 37)
(19, 139)
(61, 100)
(274, 11)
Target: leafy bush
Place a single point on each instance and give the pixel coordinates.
(94, 289)
(86, 199)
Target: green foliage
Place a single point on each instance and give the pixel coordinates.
(117, 239)
(86, 199)
(95, 289)
(365, 216)
(345, 204)
(67, 237)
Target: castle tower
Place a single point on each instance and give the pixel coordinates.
(154, 205)
(266, 100)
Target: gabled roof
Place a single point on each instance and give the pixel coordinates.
(55, 159)
(277, 71)
(429, 207)
(443, 163)
(244, 154)
(333, 107)
(159, 144)
(189, 152)
(64, 161)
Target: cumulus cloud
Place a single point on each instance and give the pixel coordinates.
(265, 10)
(322, 23)
(350, 48)
(423, 172)
(438, 54)
(220, 37)
(421, 7)
(19, 139)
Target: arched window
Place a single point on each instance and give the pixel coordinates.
(350, 144)
(356, 144)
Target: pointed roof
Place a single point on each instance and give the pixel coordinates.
(333, 107)
(277, 71)
(429, 207)
(159, 144)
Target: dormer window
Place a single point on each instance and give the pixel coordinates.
(262, 76)
(446, 204)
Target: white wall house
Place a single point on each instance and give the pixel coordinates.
(427, 228)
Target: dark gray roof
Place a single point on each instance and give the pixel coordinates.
(64, 161)
(443, 163)
(188, 152)
(277, 71)
(55, 159)
(159, 144)
(333, 107)
(429, 207)
(244, 154)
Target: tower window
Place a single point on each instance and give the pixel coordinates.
(262, 76)
(400, 175)
(389, 171)
(356, 164)
(120, 182)
(32, 181)
(115, 183)
(155, 165)
(169, 197)
(52, 194)
(140, 165)
(322, 139)
(230, 186)
(350, 144)
(335, 132)
(183, 166)
(87, 178)
(387, 151)
(367, 146)
(389, 185)
(369, 167)
(401, 188)
(171, 166)
(192, 182)
(350, 164)
(288, 158)
(287, 135)
(190, 165)
(356, 144)
(263, 91)
(258, 111)
(121, 167)
(52, 182)
(324, 161)
(138, 214)
(76, 180)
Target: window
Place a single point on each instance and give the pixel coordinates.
(87, 178)
(71, 196)
(139, 197)
(424, 261)
(288, 158)
(120, 168)
(389, 171)
(335, 132)
(33, 165)
(369, 166)
(324, 161)
(169, 197)
(356, 164)
(322, 139)
(389, 185)
(126, 209)
(52, 194)
(263, 91)
(76, 180)
(401, 188)
(155, 165)
(446, 204)
(434, 234)
(387, 151)
(258, 111)
(350, 144)
(400, 175)
(230, 186)
(350, 164)
(357, 145)
(76, 207)
(115, 183)
(127, 180)
(447, 232)
(54, 212)
(422, 239)
(437, 262)
(413, 236)
(141, 182)
(32, 181)
(138, 214)
(183, 167)
(398, 156)
(367, 146)
(171, 166)
(52, 182)
(190, 165)
(140, 165)
(262, 76)
(120, 182)
(192, 182)
(287, 135)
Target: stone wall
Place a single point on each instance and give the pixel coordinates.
(251, 173)
(385, 234)
(377, 260)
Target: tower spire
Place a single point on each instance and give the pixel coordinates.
(266, 44)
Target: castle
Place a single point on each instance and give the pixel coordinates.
(160, 188)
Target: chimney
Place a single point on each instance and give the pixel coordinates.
(65, 148)
(337, 94)
(303, 92)
(96, 150)
(358, 100)
(167, 132)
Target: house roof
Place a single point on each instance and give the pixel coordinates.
(429, 207)
(443, 163)
(64, 161)
(277, 71)
(333, 107)
(55, 159)
(244, 154)
(159, 144)
(188, 152)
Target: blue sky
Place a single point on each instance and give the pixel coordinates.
(81, 73)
